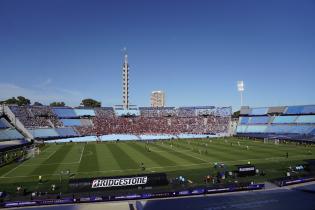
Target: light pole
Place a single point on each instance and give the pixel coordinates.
(240, 88)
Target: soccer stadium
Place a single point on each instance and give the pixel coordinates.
(194, 147)
(50, 150)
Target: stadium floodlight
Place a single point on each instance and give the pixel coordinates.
(240, 88)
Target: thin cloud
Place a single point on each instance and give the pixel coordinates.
(44, 84)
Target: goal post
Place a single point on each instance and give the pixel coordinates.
(32, 152)
(275, 141)
(266, 140)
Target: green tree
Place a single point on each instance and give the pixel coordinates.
(20, 100)
(90, 103)
(57, 103)
(236, 114)
(12, 100)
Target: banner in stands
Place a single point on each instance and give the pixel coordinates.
(246, 170)
(115, 182)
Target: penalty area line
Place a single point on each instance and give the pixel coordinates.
(81, 154)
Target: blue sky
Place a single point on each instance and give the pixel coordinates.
(194, 50)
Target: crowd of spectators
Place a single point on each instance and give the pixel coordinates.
(157, 111)
(46, 112)
(104, 111)
(36, 116)
(186, 112)
(167, 120)
(156, 125)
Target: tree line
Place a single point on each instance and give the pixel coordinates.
(22, 101)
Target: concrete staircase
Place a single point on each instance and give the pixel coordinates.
(16, 123)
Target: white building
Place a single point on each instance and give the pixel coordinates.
(157, 99)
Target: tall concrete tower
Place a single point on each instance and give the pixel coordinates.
(125, 81)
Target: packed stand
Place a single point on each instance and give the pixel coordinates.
(34, 116)
(166, 120)
(158, 125)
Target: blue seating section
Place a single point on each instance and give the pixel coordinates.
(44, 132)
(71, 122)
(276, 129)
(73, 113)
(279, 129)
(284, 119)
(306, 119)
(3, 123)
(244, 120)
(294, 123)
(50, 132)
(289, 129)
(75, 139)
(259, 111)
(291, 119)
(120, 137)
(241, 129)
(310, 109)
(256, 128)
(66, 132)
(64, 112)
(10, 134)
(294, 110)
(259, 120)
(84, 112)
(288, 110)
(127, 137)
(302, 129)
(155, 137)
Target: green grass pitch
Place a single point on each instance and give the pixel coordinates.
(192, 158)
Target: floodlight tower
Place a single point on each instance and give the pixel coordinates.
(240, 88)
(125, 77)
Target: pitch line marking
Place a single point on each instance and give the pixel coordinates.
(3, 176)
(159, 167)
(77, 162)
(81, 154)
(51, 154)
(43, 164)
(13, 169)
(189, 155)
(162, 151)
